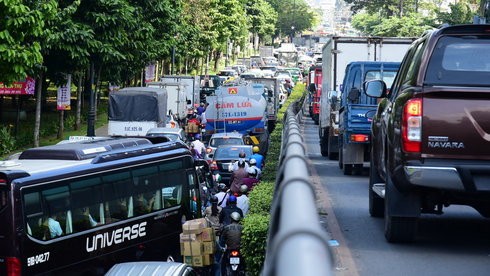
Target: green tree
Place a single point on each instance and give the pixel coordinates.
(410, 25)
(294, 16)
(262, 18)
(460, 13)
(21, 32)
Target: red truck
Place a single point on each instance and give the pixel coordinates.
(315, 89)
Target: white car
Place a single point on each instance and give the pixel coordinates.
(218, 139)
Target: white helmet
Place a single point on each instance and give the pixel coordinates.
(235, 216)
(252, 161)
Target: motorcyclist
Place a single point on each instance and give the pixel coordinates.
(224, 216)
(259, 158)
(230, 238)
(212, 214)
(243, 201)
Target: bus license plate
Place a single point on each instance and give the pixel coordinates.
(234, 260)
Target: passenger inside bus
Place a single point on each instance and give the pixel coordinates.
(82, 220)
(142, 205)
(54, 226)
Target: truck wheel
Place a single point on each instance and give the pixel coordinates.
(376, 203)
(358, 169)
(324, 143)
(398, 228)
(348, 169)
(341, 162)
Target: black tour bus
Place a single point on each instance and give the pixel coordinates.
(78, 208)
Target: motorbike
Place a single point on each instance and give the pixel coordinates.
(234, 263)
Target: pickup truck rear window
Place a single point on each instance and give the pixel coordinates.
(460, 60)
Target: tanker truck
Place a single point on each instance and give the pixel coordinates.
(239, 107)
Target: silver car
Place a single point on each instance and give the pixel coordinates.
(151, 268)
(171, 133)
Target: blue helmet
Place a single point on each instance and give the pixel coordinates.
(232, 199)
(197, 136)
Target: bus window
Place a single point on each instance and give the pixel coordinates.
(56, 209)
(193, 194)
(34, 216)
(146, 186)
(117, 193)
(172, 190)
(3, 194)
(85, 203)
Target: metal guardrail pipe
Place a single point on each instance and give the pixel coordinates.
(297, 244)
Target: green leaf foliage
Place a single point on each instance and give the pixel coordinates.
(254, 241)
(261, 198)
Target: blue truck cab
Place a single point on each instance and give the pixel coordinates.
(357, 109)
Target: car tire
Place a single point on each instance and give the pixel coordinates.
(376, 203)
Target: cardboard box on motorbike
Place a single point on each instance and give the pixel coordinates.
(197, 242)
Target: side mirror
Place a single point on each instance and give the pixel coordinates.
(375, 88)
(312, 87)
(189, 102)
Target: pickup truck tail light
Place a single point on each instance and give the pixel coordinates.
(412, 126)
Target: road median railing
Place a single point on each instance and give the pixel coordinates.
(297, 244)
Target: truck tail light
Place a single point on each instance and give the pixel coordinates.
(13, 266)
(359, 138)
(412, 126)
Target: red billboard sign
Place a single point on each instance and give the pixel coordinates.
(25, 87)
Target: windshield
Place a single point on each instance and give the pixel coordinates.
(232, 152)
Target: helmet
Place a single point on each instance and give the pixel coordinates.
(255, 149)
(243, 189)
(214, 199)
(217, 177)
(251, 171)
(222, 187)
(232, 199)
(241, 154)
(235, 216)
(252, 161)
(197, 136)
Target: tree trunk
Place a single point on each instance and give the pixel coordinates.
(78, 122)
(37, 122)
(61, 127)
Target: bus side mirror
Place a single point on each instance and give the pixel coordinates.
(312, 88)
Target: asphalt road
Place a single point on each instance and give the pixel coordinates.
(456, 243)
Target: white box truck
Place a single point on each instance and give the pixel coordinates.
(177, 99)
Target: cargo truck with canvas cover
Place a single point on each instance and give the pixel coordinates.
(135, 110)
(337, 53)
(237, 107)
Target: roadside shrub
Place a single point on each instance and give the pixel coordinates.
(8, 141)
(254, 241)
(261, 198)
